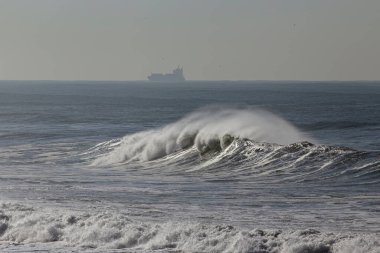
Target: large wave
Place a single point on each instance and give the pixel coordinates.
(210, 129)
(240, 143)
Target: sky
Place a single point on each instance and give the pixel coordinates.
(211, 39)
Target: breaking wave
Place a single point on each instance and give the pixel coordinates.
(211, 129)
(21, 225)
(240, 143)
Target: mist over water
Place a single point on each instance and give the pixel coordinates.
(137, 167)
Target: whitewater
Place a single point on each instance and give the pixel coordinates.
(208, 167)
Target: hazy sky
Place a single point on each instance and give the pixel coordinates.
(211, 39)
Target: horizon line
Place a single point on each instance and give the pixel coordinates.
(206, 80)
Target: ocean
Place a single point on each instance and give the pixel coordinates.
(221, 166)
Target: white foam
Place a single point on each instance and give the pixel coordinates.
(201, 128)
(23, 226)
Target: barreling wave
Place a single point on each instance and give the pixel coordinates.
(235, 143)
(57, 230)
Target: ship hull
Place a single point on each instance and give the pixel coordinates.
(165, 79)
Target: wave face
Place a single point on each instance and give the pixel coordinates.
(25, 227)
(208, 129)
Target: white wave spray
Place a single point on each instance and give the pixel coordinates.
(203, 129)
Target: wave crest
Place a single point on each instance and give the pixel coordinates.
(209, 130)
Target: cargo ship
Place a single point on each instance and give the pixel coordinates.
(175, 76)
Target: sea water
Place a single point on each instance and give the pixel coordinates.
(101, 166)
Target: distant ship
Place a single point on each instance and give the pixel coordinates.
(175, 76)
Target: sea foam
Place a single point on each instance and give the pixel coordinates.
(81, 231)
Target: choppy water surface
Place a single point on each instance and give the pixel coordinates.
(191, 167)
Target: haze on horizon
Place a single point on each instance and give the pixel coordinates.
(211, 39)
